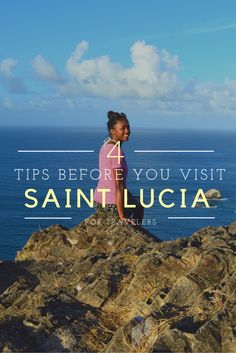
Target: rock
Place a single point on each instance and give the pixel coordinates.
(232, 229)
(213, 194)
(114, 288)
(95, 293)
(172, 340)
(184, 292)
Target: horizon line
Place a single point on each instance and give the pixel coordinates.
(133, 127)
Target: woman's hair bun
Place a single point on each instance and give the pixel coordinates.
(116, 115)
(110, 114)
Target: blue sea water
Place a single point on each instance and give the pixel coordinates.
(15, 229)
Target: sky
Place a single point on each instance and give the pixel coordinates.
(165, 63)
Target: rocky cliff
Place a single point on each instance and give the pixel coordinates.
(118, 289)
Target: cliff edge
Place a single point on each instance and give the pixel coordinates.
(114, 288)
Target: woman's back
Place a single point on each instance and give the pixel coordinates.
(111, 157)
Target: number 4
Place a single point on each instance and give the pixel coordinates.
(119, 155)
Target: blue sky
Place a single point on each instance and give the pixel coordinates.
(165, 63)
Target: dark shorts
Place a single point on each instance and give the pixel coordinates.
(112, 208)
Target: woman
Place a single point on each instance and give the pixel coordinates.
(114, 170)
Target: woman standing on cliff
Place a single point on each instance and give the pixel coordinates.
(114, 170)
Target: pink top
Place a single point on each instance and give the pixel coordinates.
(107, 178)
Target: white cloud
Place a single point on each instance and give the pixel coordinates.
(45, 70)
(152, 74)
(75, 57)
(151, 83)
(8, 79)
(6, 66)
(212, 29)
(224, 98)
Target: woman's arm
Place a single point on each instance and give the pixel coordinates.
(119, 193)
(120, 196)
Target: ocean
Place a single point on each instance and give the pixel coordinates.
(153, 168)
